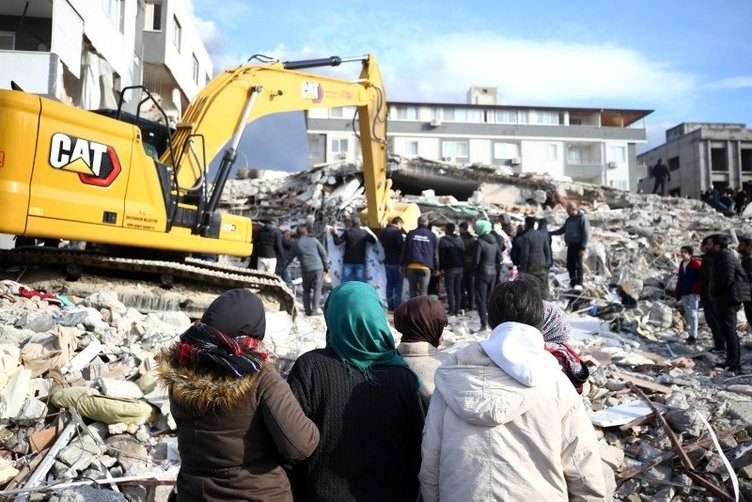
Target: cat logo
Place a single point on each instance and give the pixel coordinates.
(95, 163)
(312, 91)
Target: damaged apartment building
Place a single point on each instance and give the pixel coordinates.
(84, 53)
(592, 145)
(701, 156)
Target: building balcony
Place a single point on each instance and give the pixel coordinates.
(34, 72)
(585, 170)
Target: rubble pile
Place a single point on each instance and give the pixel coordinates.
(81, 409)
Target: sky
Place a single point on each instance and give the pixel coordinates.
(687, 60)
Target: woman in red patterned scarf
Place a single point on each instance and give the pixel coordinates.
(237, 419)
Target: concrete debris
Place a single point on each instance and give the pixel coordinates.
(96, 357)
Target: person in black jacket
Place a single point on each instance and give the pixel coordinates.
(728, 289)
(661, 173)
(711, 317)
(267, 245)
(468, 271)
(392, 239)
(576, 230)
(487, 255)
(745, 253)
(451, 263)
(532, 256)
(356, 238)
(419, 257)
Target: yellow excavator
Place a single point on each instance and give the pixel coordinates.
(67, 173)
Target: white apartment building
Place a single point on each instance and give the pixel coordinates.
(85, 52)
(594, 145)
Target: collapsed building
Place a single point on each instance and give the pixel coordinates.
(82, 415)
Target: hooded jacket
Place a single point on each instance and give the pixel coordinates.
(506, 424)
(233, 434)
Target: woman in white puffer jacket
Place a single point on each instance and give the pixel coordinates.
(504, 422)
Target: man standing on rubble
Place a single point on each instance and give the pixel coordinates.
(532, 257)
(392, 240)
(728, 290)
(576, 230)
(688, 289)
(268, 247)
(419, 257)
(451, 262)
(661, 173)
(711, 317)
(356, 238)
(313, 265)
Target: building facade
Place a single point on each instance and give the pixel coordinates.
(701, 156)
(84, 52)
(587, 144)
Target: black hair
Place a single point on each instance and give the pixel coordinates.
(463, 224)
(516, 301)
(706, 239)
(422, 220)
(450, 228)
(397, 220)
(688, 249)
(355, 221)
(721, 240)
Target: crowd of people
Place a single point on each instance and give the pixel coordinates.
(720, 281)
(365, 419)
(467, 264)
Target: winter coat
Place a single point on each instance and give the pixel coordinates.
(576, 230)
(543, 230)
(487, 255)
(370, 433)
(704, 278)
(451, 252)
(423, 358)
(356, 239)
(468, 240)
(661, 172)
(518, 433)
(420, 247)
(233, 434)
(267, 243)
(310, 254)
(532, 250)
(728, 281)
(746, 260)
(688, 282)
(392, 239)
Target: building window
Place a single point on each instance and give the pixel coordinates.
(746, 159)
(474, 116)
(406, 113)
(153, 17)
(718, 159)
(455, 150)
(341, 112)
(339, 148)
(7, 41)
(550, 151)
(506, 116)
(177, 34)
(411, 148)
(673, 164)
(575, 121)
(505, 151)
(617, 154)
(195, 68)
(547, 118)
(111, 9)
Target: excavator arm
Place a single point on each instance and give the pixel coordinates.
(238, 96)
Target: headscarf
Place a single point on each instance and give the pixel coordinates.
(555, 329)
(421, 319)
(482, 227)
(228, 336)
(357, 331)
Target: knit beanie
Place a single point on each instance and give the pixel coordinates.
(482, 227)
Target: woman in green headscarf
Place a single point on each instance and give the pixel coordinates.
(364, 400)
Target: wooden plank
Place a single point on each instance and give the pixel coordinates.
(645, 384)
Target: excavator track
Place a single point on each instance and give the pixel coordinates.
(191, 270)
